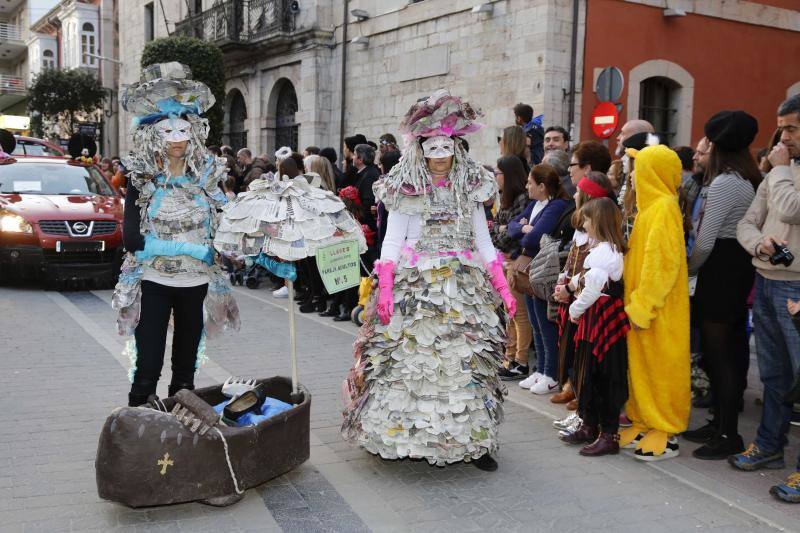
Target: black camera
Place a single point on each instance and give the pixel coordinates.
(782, 255)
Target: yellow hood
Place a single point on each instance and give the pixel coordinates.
(657, 175)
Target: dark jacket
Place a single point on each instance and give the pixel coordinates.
(545, 222)
(258, 168)
(132, 237)
(501, 239)
(364, 181)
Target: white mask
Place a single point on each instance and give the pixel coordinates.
(438, 147)
(174, 129)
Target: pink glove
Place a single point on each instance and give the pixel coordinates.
(498, 280)
(385, 307)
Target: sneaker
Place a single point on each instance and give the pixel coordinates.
(546, 385)
(634, 443)
(719, 448)
(531, 380)
(283, 292)
(795, 421)
(789, 490)
(513, 372)
(571, 428)
(564, 423)
(702, 434)
(672, 450)
(754, 459)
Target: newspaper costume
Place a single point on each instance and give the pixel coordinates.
(177, 214)
(425, 385)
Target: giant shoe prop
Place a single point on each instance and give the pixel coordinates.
(180, 449)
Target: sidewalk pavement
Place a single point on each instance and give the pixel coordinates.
(62, 373)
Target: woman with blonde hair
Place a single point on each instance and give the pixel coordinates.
(320, 165)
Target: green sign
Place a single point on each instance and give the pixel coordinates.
(338, 266)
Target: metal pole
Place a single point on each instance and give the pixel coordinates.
(343, 98)
(292, 336)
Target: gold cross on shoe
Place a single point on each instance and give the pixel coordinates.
(164, 463)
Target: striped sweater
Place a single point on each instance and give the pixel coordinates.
(726, 201)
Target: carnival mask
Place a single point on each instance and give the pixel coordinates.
(174, 129)
(438, 147)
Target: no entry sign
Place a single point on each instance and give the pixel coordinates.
(605, 118)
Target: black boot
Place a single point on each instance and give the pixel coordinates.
(333, 310)
(135, 400)
(702, 434)
(175, 387)
(486, 463)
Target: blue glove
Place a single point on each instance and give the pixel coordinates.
(280, 269)
(157, 247)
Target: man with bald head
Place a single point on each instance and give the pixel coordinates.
(632, 127)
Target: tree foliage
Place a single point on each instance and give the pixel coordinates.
(205, 60)
(60, 96)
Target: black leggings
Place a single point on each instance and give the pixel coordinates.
(158, 302)
(726, 354)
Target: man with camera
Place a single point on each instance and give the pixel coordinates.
(770, 230)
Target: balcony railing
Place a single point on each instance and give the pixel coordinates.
(12, 85)
(10, 32)
(239, 21)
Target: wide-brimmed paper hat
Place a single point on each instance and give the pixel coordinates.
(440, 114)
(166, 90)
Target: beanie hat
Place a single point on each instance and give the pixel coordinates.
(639, 141)
(354, 140)
(731, 130)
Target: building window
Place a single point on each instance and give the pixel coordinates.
(659, 102)
(287, 127)
(149, 22)
(88, 45)
(48, 59)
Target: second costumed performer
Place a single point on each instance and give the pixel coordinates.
(424, 384)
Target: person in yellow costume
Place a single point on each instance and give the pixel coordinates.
(657, 305)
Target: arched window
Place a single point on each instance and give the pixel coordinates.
(88, 45)
(286, 125)
(48, 59)
(662, 92)
(236, 116)
(659, 99)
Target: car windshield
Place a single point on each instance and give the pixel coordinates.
(52, 178)
(28, 148)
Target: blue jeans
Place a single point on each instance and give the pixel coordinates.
(545, 337)
(778, 353)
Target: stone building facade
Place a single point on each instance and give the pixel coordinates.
(287, 82)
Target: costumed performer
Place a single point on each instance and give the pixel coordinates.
(424, 384)
(169, 225)
(657, 304)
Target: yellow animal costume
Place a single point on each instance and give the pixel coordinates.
(657, 304)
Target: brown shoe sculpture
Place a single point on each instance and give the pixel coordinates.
(581, 435)
(606, 444)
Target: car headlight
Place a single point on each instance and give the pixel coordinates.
(13, 223)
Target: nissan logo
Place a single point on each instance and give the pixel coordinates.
(79, 227)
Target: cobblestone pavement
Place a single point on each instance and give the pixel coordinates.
(61, 373)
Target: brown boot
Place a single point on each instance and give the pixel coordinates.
(564, 396)
(581, 435)
(572, 405)
(606, 444)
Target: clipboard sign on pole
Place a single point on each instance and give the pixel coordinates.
(338, 266)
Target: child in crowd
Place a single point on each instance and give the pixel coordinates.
(598, 311)
(594, 185)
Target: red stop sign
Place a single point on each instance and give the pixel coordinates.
(605, 118)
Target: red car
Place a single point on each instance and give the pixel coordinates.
(34, 146)
(59, 221)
